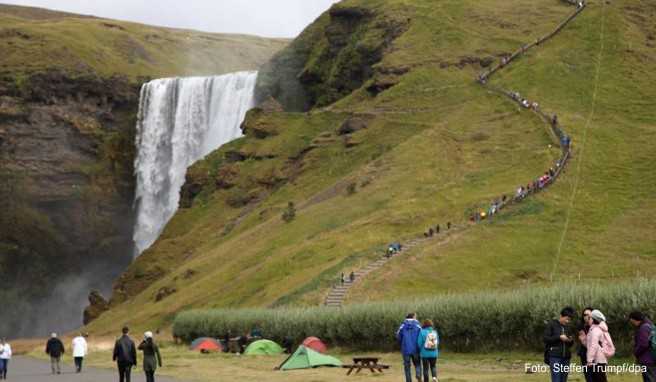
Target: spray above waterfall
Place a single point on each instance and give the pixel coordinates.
(180, 121)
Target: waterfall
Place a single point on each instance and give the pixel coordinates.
(180, 121)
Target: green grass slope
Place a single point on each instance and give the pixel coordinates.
(436, 145)
(34, 39)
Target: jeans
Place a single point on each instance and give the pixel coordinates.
(4, 364)
(650, 374)
(557, 364)
(406, 366)
(429, 363)
(78, 363)
(124, 371)
(150, 376)
(55, 364)
(586, 373)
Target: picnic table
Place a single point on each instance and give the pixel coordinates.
(370, 363)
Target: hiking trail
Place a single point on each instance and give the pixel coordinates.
(339, 292)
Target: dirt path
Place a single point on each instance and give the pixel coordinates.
(23, 369)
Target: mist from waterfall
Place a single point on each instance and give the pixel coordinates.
(180, 121)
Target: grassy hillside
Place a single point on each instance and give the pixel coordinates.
(33, 39)
(436, 145)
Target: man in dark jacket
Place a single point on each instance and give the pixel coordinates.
(558, 341)
(55, 349)
(407, 336)
(125, 355)
(642, 345)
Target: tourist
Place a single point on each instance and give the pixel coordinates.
(437, 229)
(557, 345)
(125, 355)
(600, 346)
(448, 226)
(352, 276)
(79, 351)
(428, 342)
(407, 336)
(151, 356)
(642, 346)
(55, 349)
(583, 329)
(430, 232)
(5, 356)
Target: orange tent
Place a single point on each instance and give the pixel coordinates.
(206, 345)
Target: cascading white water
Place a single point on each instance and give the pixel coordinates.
(180, 121)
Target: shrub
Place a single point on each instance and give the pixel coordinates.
(488, 321)
(290, 212)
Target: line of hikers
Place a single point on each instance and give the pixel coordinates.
(436, 231)
(596, 345)
(419, 346)
(125, 354)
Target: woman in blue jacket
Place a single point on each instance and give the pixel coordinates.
(428, 343)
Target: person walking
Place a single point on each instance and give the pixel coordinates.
(125, 355)
(151, 358)
(407, 337)
(583, 329)
(428, 342)
(80, 351)
(5, 356)
(642, 347)
(55, 349)
(557, 343)
(600, 346)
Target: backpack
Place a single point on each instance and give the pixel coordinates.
(607, 346)
(652, 341)
(431, 341)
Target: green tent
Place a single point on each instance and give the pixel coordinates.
(263, 347)
(305, 358)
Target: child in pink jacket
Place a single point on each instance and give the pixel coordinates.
(598, 338)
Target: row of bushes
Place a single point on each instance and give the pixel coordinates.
(469, 322)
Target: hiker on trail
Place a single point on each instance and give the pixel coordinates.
(125, 355)
(55, 349)
(430, 232)
(583, 329)
(428, 342)
(151, 356)
(600, 346)
(642, 348)
(407, 336)
(5, 356)
(352, 276)
(557, 343)
(343, 278)
(437, 229)
(80, 351)
(448, 226)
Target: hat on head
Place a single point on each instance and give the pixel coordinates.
(54, 335)
(148, 334)
(597, 315)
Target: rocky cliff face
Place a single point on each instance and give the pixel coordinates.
(333, 57)
(66, 153)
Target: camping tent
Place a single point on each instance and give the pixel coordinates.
(305, 358)
(263, 347)
(315, 344)
(206, 344)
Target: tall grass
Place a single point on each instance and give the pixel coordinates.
(468, 322)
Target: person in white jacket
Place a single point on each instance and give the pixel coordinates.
(80, 350)
(5, 356)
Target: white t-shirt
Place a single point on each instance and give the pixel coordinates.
(79, 347)
(5, 351)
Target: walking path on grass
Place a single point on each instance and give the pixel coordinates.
(339, 292)
(23, 369)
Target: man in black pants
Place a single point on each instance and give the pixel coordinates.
(125, 355)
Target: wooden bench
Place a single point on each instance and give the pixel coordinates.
(360, 363)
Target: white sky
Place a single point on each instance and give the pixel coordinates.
(270, 18)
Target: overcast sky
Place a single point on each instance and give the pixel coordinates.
(271, 18)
